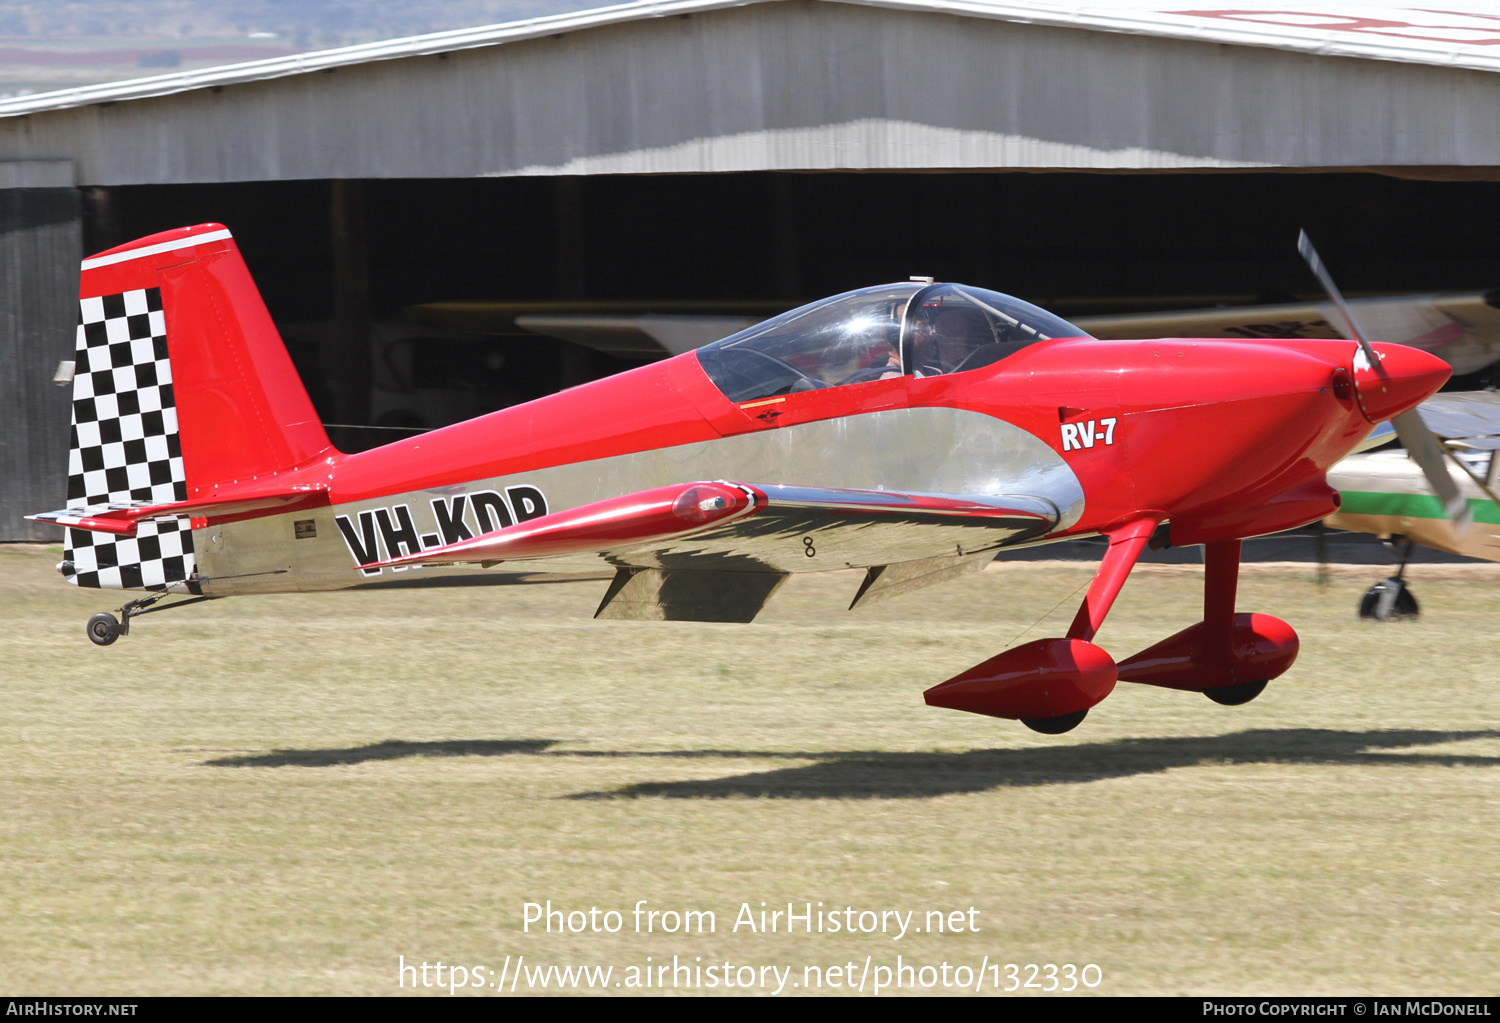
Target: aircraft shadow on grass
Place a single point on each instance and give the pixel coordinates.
(391, 749)
(872, 774)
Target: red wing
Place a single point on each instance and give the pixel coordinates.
(758, 527)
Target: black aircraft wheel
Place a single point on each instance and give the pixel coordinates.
(1058, 725)
(1404, 606)
(1233, 696)
(104, 628)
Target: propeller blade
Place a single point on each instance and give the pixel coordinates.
(1479, 481)
(1310, 254)
(1421, 444)
(1427, 451)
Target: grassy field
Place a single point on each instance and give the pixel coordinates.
(286, 794)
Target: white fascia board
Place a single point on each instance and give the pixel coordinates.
(1132, 17)
(364, 53)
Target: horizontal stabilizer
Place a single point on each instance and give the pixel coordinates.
(728, 526)
(122, 517)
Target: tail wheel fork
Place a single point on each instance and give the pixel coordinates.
(104, 628)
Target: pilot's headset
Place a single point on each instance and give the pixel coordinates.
(924, 339)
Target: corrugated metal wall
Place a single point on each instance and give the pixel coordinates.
(40, 246)
(791, 86)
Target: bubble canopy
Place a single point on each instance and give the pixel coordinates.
(877, 333)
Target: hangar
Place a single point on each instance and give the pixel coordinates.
(1113, 156)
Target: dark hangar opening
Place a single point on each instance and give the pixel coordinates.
(334, 258)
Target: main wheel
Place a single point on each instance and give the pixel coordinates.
(1233, 696)
(1404, 605)
(1058, 725)
(104, 628)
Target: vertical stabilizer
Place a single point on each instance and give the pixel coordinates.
(182, 386)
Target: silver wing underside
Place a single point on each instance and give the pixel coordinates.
(725, 570)
(808, 529)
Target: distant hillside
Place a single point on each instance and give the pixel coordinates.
(63, 43)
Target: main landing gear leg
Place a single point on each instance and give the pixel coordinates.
(1125, 546)
(1050, 684)
(104, 628)
(1389, 599)
(1221, 583)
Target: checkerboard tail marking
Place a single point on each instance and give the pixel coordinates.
(125, 446)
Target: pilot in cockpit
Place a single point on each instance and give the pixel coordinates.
(942, 339)
(876, 334)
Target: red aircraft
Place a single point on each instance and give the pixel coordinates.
(911, 430)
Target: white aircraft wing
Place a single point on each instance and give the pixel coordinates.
(1463, 328)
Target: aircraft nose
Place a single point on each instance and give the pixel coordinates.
(1405, 378)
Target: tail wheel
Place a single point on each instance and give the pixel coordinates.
(1379, 605)
(1060, 724)
(1233, 696)
(103, 628)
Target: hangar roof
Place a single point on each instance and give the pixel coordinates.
(814, 84)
